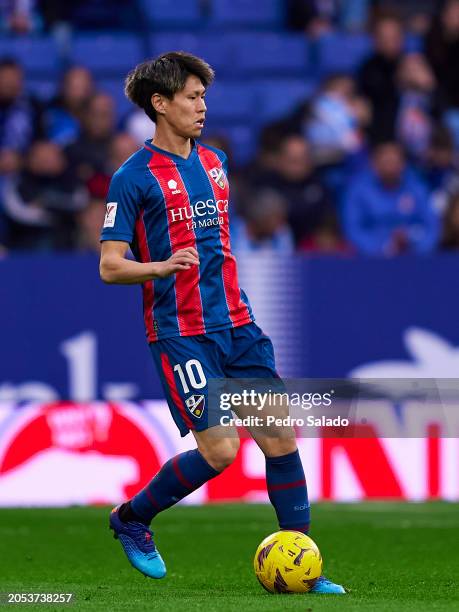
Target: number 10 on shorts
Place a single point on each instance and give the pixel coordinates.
(193, 376)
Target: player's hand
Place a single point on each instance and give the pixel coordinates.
(181, 260)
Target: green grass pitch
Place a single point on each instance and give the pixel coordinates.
(392, 557)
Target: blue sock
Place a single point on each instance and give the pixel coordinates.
(287, 491)
(178, 477)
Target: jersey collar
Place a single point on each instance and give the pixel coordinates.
(175, 158)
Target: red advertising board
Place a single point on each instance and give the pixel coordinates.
(66, 453)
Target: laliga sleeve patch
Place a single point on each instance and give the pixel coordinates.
(110, 214)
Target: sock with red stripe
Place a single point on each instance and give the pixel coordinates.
(287, 491)
(178, 477)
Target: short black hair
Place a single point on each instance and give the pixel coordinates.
(9, 62)
(165, 75)
(388, 13)
(387, 142)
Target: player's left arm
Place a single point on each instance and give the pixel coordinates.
(124, 207)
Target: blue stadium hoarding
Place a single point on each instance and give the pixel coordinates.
(66, 335)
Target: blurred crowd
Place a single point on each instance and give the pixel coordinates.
(56, 161)
(368, 164)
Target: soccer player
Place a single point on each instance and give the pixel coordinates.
(169, 203)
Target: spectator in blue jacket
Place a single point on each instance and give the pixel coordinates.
(387, 209)
(19, 116)
(63, 116)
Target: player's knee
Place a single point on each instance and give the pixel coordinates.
(221, 453)
(276, 447)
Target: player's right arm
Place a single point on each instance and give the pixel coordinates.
(124, 203)
(116, 269)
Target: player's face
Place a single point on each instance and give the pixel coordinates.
(186, 112)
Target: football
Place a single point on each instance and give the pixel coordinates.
(287, 562)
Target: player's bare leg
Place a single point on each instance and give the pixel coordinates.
(218, 445)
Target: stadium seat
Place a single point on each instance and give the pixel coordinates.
(115, 88)
(230, 102)
(339, 52)
(38, 54)
(276, 98)
(172, 13)
(104, 15)
(268, 13)
(214, 49)
(261, 53)
(107, 53)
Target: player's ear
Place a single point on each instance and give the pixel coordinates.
(159, 104)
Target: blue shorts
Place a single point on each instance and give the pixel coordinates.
(186, 363)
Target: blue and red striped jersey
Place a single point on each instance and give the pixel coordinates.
(159, 203)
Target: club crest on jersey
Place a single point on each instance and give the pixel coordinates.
(196, 404)
(217, 175)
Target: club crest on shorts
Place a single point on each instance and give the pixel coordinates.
(196, 404)
(218, 176)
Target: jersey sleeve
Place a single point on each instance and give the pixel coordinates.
(124, 202)
(221, 156)
(224, 160)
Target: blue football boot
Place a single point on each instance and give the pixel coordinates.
(323, 585)
(137, 542)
